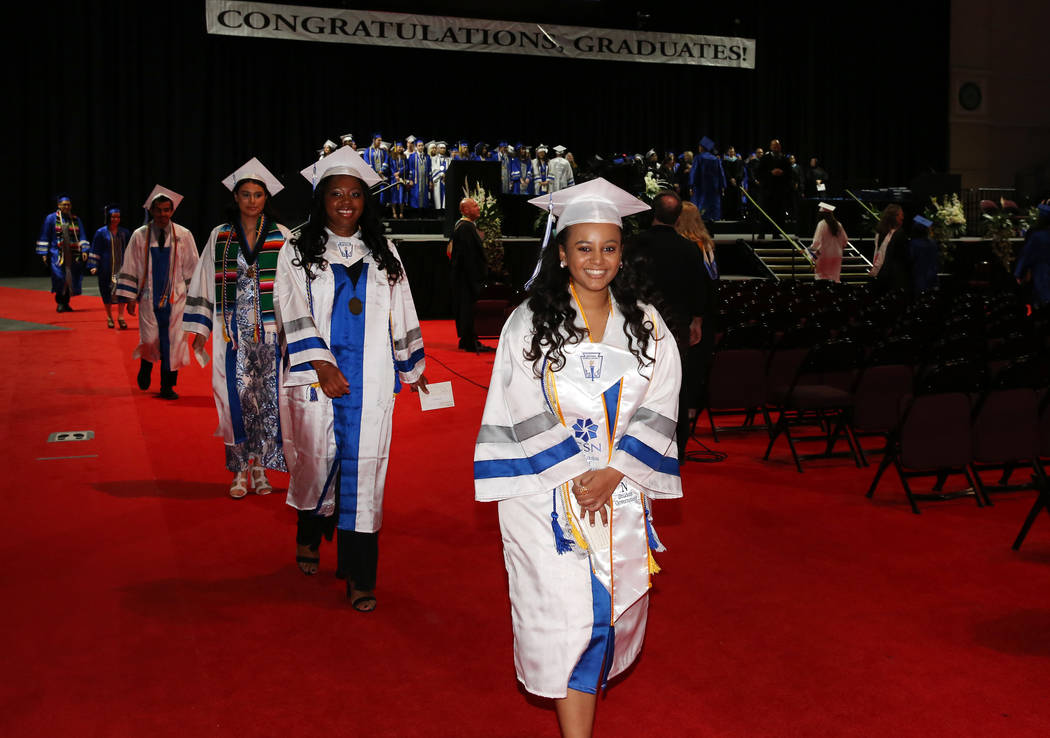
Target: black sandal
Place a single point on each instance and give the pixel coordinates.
(360, 603)
(308, 565)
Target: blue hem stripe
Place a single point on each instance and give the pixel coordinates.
(648, 456)
(534, 464)
(232, 395)
(306, 344)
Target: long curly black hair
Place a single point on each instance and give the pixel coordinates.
(310, 243)
(554, 314)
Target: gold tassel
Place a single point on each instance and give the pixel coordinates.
(576, 535)
(654, 568)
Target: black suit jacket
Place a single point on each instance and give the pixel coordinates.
(674, 266)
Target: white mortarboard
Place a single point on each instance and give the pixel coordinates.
(596, 201)
(431, 143)
(330, 144)
(346, 137)
(254, 169)
(541, 147)
(161, 191)
(559, 149)
(826, 208)
(384, 145)
(343, 161)
(410, 139)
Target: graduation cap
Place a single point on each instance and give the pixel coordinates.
(541, 147)
(596, 201)
(924, 222)
(347, 138)
(442, 143)
(826, 207)
(343, 161)
(559, 149)
(377, 135)
(707, 143)
(254, 169)
(479, 146)
(110, 209)
(431, 143)
(411, 139)
(329, 144)
(161, 191)
(464, 144)
(502, 143)
(62, 198)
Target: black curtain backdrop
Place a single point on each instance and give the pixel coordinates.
(106, 99)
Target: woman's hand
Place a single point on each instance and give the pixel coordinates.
(594, 490)
(332, 381)
(420, 385)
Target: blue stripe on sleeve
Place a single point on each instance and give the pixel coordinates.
(648, 456)
(496, 468)
(409, 364)
(126, 288)
(304, 367)
(195, 318)
(306, 344)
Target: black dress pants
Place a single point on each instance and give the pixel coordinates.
(357, 554)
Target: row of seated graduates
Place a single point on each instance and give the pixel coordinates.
(954, 380)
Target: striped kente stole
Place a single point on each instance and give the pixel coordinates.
(263, 271)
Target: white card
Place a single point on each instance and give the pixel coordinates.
(201, 356)
(821, 187)
(440, 396)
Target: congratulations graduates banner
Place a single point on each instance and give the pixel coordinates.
(335, 25)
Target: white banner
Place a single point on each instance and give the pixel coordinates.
(334, 25)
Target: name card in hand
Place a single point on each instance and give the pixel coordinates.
(440, 396)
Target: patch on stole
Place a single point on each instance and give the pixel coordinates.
(592, 365)
(585, 429)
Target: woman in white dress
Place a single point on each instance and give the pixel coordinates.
(578, 435)
(829, 241)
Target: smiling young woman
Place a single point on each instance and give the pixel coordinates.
(577, 437)
(352, 339)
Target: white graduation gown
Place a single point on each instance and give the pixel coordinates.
(135, 283)
(392, 348)
(531, 445)
(202, 315)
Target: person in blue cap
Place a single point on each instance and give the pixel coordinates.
(925, 259)
(521, 171)
(105, 260)
(378, 157)
(708, 181)
(64, 250)
(419, 178)
(1034, 262)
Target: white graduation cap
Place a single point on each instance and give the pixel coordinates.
(346, 138)
(254, 169)
(541, 147)
(329, 143)
(343, 161)
(826, 208)
(161, 191)
(596, 201)
(410, 139)
(559, 149)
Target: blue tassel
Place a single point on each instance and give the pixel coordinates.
(561, 543)
(313, 394)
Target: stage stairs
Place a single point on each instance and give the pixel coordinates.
(788, 262)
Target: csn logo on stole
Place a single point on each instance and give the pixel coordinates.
(586, 431)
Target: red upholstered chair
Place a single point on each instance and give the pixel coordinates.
(494, 305)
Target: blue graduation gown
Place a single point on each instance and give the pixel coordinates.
(379, 160)
(419, 175)
(520, 176)
(708, 180)
(50, 244)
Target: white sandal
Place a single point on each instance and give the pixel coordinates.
(260, 483)
(239, 488)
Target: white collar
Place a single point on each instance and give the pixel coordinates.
(345, 250)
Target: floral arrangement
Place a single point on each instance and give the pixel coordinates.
(654, 186)
(949, 221)
(490, 225)
(1000, 226)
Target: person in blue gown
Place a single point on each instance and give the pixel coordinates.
(521, 171)
(925, 259)
(378, 157)
(708, 181)
(1034, 262)
(64, 249)
(105, 260)
(420, 183)
(400, 179)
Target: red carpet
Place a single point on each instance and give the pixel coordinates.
(141, 600)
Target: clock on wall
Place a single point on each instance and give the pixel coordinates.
(969, 96)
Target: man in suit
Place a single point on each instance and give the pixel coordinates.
(469, 268)
(674, 265)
